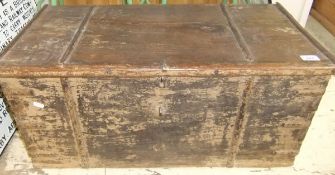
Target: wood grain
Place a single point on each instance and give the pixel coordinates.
(278, 112)
(324, 12)
(326, 8)
(42, 43)
(140, 122)
(111, 37)
(193, 39)
(163, 86)
(48, 132)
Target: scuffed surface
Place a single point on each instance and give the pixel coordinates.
(158, 122)
(278, 113)
(47, 132)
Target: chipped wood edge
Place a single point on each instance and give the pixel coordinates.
(237, 34)
(136, 71)
(75, 39)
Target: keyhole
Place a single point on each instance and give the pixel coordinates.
(160, 111)
(161, 83)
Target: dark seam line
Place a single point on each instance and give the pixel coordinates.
(76, 37)
(237, 34)
(75, 123)
(240, 124)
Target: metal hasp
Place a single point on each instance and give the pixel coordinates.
(164, 86)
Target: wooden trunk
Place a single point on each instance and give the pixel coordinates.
(163, 86)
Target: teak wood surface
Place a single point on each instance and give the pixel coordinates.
(164, 86)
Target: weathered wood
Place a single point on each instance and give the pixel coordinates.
(43, 43)
(158, 86)
(113, 37)
(48, 132)
(154, 122)
(278, 112)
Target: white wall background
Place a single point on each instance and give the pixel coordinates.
(14, 15)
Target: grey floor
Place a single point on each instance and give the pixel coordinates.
(317, 154)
